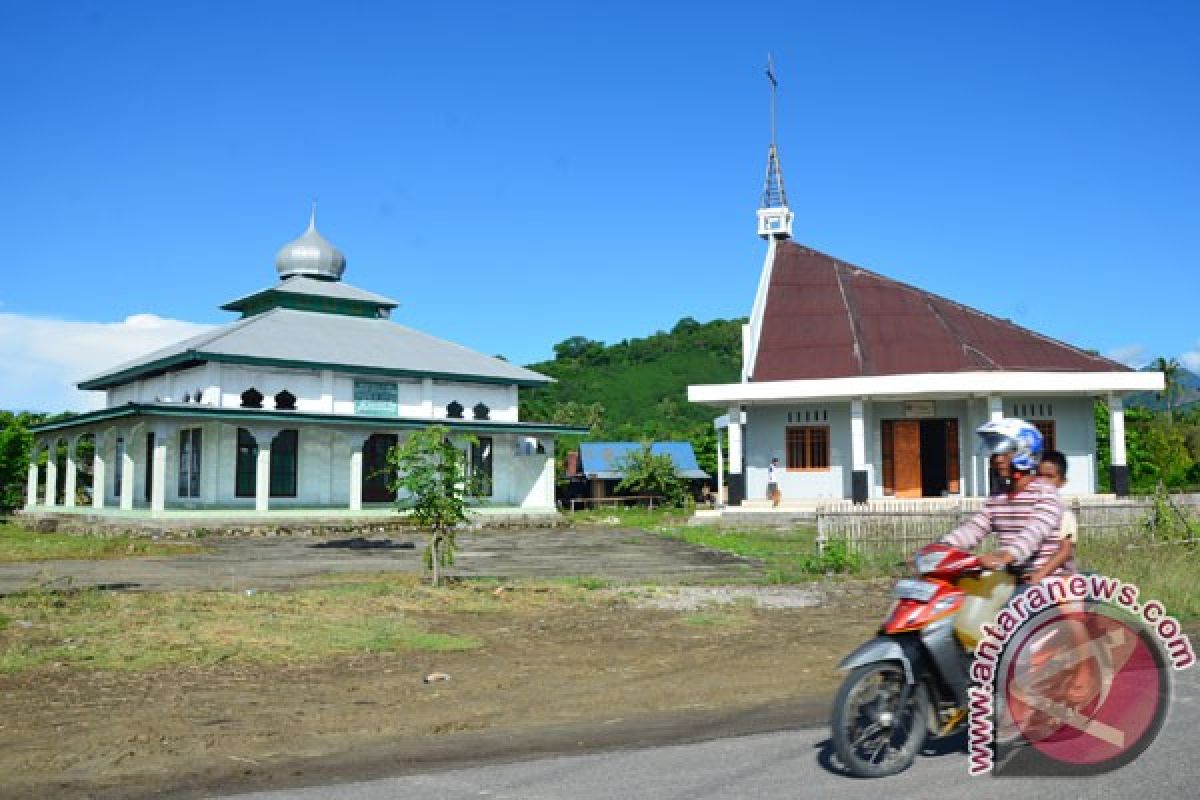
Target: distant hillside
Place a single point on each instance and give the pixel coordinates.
(1189, 393)
(637, 388)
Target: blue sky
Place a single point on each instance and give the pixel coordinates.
(515, 174)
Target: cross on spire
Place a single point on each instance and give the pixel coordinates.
(774, 218)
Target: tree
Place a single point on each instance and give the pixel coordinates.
(16, 444)
(431, 483)
(1169, 367)
(652, 473)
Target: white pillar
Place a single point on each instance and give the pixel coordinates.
(327, 391)
(427, 398)
(735, 441)
(995, 407)
(1116, 429)
(858, 435)
(720, 471)
(128, 467)
(262, 475)
(72, 473)
(31, 481)
(99, 473)
(51, 498)
(356, 469)
(158, 472)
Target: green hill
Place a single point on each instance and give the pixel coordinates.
(636, 389)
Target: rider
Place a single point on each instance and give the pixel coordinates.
(1022, 511)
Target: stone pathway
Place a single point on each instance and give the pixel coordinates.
(237, 564)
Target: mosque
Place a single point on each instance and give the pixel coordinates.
(291, 408)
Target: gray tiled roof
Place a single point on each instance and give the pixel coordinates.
(324, 341)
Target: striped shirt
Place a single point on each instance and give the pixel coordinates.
(1026, 525)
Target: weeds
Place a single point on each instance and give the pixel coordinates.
(18, 544)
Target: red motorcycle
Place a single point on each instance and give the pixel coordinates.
(912, 679)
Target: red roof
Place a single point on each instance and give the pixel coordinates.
(825, 318)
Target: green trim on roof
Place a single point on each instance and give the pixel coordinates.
(193, 357)
(273, 298)
(275, 417)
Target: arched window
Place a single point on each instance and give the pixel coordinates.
(454, 410)
(480, 411)
(285, 401)
(198, 396)
(252, 398)
(187, 397)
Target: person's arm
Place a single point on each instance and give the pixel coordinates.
(1057, 560)
(972, 532)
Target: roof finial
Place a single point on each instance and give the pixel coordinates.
(774, 218)
(312, 215)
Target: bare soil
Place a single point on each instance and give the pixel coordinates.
(547, 679)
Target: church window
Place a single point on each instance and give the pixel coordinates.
(454, 410)
(808, 447)
(252, 398)
(285, 401)
(481, 411)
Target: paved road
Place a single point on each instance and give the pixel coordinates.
(785, 766)
(285, 562)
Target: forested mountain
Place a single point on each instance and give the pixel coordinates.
(636, 389)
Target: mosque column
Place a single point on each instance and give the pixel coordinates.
(129, 465)
(99, 469)
(51, 497)
(1119, 471)
(158, 469)
(72, 473)
(263, 437)
(31, 478)
(357, 442)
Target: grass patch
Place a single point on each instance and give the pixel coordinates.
(718, 619)
(635, 517)
(1167, 572)
(135, 631)
(18, 544)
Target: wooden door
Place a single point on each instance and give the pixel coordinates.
(906, 450)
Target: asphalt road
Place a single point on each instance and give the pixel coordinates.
(786, 766)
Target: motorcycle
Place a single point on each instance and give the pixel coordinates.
(912, 679)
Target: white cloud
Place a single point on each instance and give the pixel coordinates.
(42, 359)
(1131, 355)
(1191, 359)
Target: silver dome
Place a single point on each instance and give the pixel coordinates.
(311, 254)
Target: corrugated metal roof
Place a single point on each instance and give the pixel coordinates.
(603, 459)
(825, 318)
(299, 284)
(305, 337)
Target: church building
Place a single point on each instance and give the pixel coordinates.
(292, 407)
(865, 388)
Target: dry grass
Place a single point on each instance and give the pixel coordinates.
(18, 544)
(91, 629)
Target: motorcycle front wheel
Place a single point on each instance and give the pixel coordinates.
(872, 736)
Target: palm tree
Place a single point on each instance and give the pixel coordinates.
(1169, 367)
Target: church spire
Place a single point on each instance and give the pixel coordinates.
(774, 217)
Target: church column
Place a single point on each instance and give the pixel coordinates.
(51, 496)
(31, 478)
(357, 441)
(995, 407)
(858, 450)
(720, 468)
(72, 473)
(737, 478)
(1119, 470)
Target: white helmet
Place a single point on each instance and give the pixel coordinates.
(1016, 437)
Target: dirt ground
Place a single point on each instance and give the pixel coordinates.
(593, 675)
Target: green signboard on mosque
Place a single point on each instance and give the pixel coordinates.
(376, 398)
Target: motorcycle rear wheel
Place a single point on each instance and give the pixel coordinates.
(871, 736)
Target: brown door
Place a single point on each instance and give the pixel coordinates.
(907, 449)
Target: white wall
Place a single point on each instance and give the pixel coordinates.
(765, 438)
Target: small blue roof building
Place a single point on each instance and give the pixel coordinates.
(603, 460)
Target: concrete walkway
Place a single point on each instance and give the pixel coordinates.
(236, 564)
